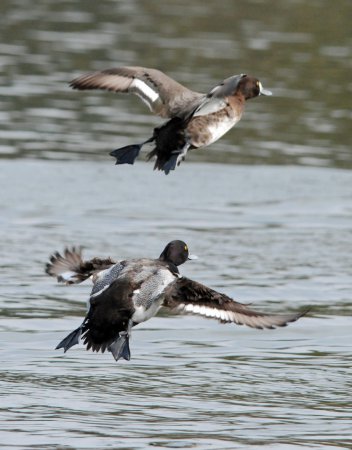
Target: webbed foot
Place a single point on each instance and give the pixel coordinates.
(175, 160)
(70, 340)
(120, 348)
(170, 164)
(126, 155)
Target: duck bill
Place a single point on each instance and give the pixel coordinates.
(192, 257)
(263, 91)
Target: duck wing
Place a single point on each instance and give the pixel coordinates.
(186, 295)
(110, 312)
(164, 96)
(70, 268)
(216, 100)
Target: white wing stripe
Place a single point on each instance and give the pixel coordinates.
(207, 311)
(101, 291)
(231, 316)
(143, 88)
(221, 314)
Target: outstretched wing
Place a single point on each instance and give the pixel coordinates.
(189, 296)
(215, 100)
(164, 96)
(70, 268)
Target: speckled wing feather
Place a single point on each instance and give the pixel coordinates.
(70, 268)
(186, 295)
(164, 96)
(103, 279)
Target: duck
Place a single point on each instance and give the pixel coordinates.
(195, 119)
(128, 292)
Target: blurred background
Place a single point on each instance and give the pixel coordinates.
(300, 50)
(268, 210)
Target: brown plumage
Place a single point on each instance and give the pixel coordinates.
(195, 119)
(186, 295)
(172, 100)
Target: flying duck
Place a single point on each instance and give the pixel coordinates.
(195, 120)
(126, 293)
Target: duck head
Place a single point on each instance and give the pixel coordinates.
(176, 252)
(250, 87)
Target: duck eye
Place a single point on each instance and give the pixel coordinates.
(186, 248)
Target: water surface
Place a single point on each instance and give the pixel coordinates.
(268, 210)
(277, 237)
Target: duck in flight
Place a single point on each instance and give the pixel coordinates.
(195, 120)
(126, 293)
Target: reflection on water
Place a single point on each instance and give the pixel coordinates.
(300, 50)
(277, 237)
